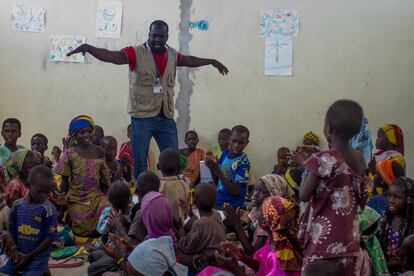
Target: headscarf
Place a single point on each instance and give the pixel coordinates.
(395, 136)
(155, 257)
(284, 231)
(75, 125)
(277, 186)
(14, 164)
(294, 177)
(310, 136)
(157, 216)
(367, 218)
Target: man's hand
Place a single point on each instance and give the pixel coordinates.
(220, 67)
(81, 49)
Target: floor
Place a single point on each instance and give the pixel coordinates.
(77, 271)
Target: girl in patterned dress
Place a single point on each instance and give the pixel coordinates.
(334, 187)
(84, 171)
(397, 222)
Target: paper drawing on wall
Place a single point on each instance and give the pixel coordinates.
(278, 56)
(109, 19)
(279, 23)
(278, 27)
(60, 45)
(28, 19)
(202, 25)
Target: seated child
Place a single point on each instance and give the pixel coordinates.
(282, 253)
(222, 142)
(194, 156)
(397, 222)
(332, 176)
(232, 171)
(99, 260)
(118, 169)
(206, 230)
(56, 153)
(33, 224)
(11, 131)
(119, 196)
(84, 173)
(154, 256)
(283, 157)
(18, 168)
(39, 146)
(266, 186)
(174, 189)
(112, 219)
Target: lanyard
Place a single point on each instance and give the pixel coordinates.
(155, 62)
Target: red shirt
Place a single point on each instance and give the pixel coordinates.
(160, 59)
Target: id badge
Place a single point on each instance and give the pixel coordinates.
(157, 87)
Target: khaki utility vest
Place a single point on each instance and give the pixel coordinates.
(142, 101)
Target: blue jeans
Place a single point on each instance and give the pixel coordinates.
(163, 130)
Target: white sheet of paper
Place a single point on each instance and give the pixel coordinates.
(279, 22)
(28, 19)
(205, 174)
(60, 45)
(109, 19)
(278, 56)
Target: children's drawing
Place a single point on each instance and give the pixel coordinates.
(28, 19)
(279, 23)
(202, 25)
(60, 45)
(109, 19)
(278, 56)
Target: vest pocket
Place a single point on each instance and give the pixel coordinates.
(171, 80)
(143, 102)
(144, 78)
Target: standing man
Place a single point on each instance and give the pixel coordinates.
(153, 67)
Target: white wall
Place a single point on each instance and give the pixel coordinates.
(346, 49)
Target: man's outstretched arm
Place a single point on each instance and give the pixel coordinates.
(191, 61)
(116, 57)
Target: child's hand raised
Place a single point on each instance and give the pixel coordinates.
(233, 250)
(121, 242)
(114, 219)
(232, 215)
(112, 252)
(244, 215)
(211, 161)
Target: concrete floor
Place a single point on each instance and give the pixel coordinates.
(71, 271)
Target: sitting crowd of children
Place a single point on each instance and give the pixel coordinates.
(330, 212)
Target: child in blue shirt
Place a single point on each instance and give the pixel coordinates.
(33, 224)
(232, 171)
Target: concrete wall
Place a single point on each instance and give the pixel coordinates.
(346, 49)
